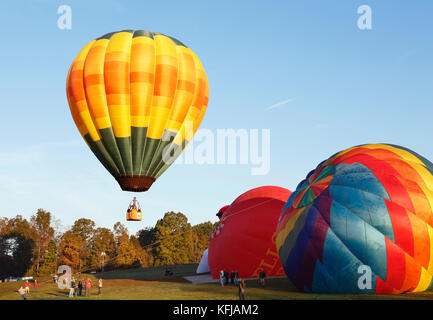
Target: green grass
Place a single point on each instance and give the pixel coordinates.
(151, 284)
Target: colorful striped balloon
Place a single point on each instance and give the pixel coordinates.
(365, 209)
(137, 98)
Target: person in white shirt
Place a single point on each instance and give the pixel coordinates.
(22, 292)
(100, 286)
(72, 289)
(222, 278)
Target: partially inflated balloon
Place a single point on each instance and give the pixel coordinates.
(244, 239)
(137, 98)
(361, 222)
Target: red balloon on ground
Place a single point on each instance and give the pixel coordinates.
(244, 239)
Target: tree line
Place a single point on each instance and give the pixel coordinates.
(36, 247)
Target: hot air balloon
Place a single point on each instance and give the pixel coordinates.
(137, 98)
(361, 222)
(244, 239)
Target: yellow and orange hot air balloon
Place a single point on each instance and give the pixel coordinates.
(137, 98)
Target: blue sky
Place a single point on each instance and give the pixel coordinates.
(344, 87)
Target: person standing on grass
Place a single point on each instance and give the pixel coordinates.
(232, 277)
(222, 278)
(80, 287)
(242, 289)
(72, 289)
(226, 277)
(22, 292)
(88, 286)
(36, 284)
(100, 286)
(262, 277)
(27, 285)
(75, 286)
(236, 277)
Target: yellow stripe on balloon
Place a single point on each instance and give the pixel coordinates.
(116, 73)
(282, 235)
(424, 281)
(186, 83)
(88, 122)
(95, 85)
(430, 265)
(142, 76)
(166, 73)
(425, 175)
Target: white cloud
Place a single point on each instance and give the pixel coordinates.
(280, 103)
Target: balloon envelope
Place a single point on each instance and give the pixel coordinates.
(244, 239)
(361, 222)
(137, 98)
(203, 266)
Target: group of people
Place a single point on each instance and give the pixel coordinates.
(26, 289)
(237, 281)
(77, 286)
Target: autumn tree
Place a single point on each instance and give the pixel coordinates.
(146, 236)
(173, 237)
(102, 241)
(17, 225)
(143, 255)
(84, 229)
(69, 250)
(200, 239)
(125, 251)
(43, 234)
(49, 259)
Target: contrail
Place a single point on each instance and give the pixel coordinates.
(280, 103)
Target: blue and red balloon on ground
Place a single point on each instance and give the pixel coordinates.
(244, 239)
(369, 205)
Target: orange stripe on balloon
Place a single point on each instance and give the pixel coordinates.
(419, 200)
(402, 227)
(94, 79)
(413, 274)
(186, 85)
(421, 240)
(144, 77)
(165, 80)
(116, 80)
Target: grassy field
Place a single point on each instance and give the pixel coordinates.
(151, 284)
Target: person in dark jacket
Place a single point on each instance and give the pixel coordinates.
(80, 286)
(226, 277)
(236, 280)
(262, 277)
